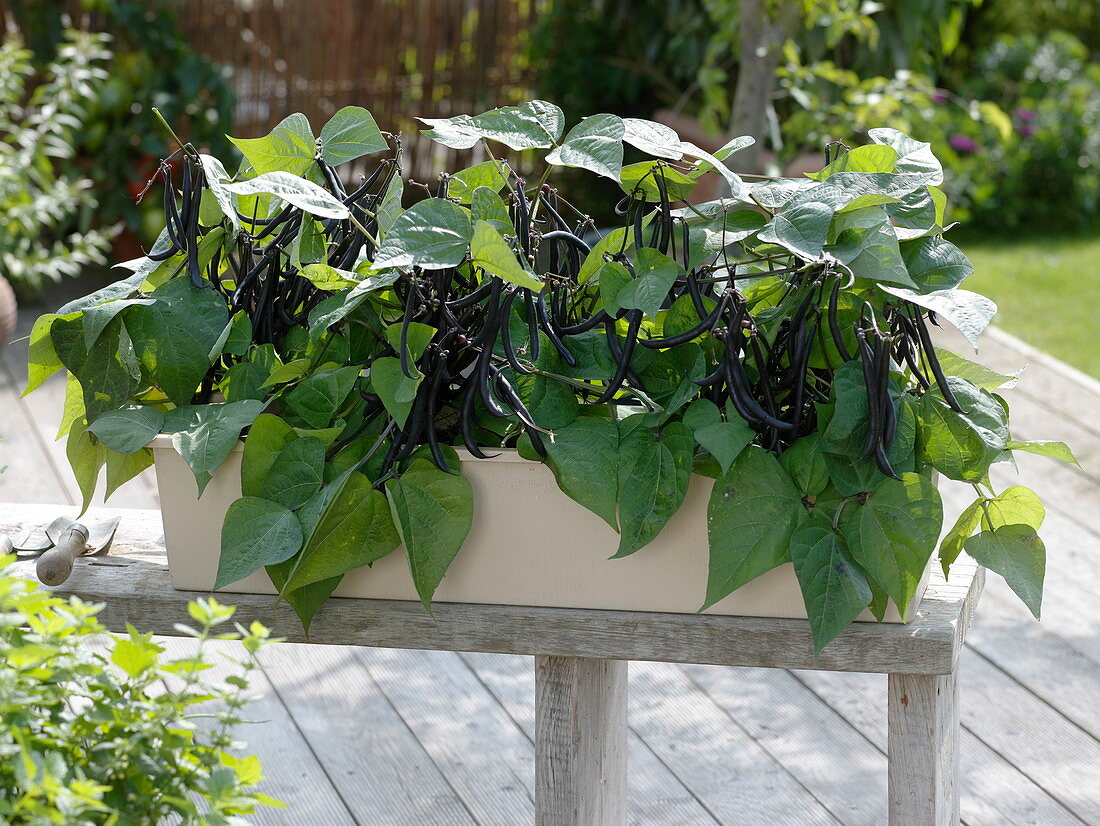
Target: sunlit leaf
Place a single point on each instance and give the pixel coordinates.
(1017, 553)
(595, 144)
(289, 147)
(491, 252)
(303, 194)
(433, 234)
(351, 133)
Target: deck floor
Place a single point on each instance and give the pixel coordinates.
(378, 736)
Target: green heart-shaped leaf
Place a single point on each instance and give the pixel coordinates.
(834, 587)
(595, 144)
(296, 473)
(654, 474)
(433, 234)
(433, 511)
(129, 429)
(350, 133)
(754, 511)
(491, 252)
(1017, 553)
(255, 533)
(354, 528)
(895, 532)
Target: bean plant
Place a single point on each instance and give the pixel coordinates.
(369, 344)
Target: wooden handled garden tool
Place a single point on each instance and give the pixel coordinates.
(69, 540)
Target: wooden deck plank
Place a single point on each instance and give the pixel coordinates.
(477, 747)
(735, 778)
(1034, 418)
(379, 768)
(1047, 747)
(1050, 668)
(1079, 628)
(27, 473)
(832, 759)
(656, 795)
(994, 791)
(292, 771)
(1069, 489)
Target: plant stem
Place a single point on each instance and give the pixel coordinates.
(538, 190)
(172, 132)
(986, 518)
(385, 434)
(363, 229)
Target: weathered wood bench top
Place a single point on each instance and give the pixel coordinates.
(132, 581)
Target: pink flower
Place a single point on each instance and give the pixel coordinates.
(939, 96)
(1026, 115)
(963, 145)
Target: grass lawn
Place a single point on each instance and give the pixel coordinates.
(1047, 289)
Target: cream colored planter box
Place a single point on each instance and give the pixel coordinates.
(530, 545)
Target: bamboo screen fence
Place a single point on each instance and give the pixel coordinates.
(398, 58)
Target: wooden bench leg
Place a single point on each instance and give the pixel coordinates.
(580, 742)
(924, 750)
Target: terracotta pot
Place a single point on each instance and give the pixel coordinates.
(530, 545)
(8, 311)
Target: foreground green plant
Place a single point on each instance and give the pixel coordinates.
(108, 733)
(775, 340)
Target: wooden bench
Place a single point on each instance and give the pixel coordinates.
(581, 664)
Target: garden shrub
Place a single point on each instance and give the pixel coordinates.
(43, 204)
(1008, 92)
(1048, 172)
(1020, 138)
(153, 66)
(837, 104)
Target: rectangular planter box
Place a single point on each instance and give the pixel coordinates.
(530, 545)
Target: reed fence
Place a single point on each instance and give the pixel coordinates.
(398, 58)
